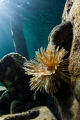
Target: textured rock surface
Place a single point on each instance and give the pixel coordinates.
(12, 76)
(75, 110)
(17, 106)
(39, 113)
(21, 116)
(72, 13)
(5, 101)
(16, 82)
(45, 114)
(62, 36)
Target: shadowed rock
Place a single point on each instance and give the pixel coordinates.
(62, 36)
(39, 113)
(13, 77)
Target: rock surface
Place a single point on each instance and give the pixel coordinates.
(20, 97)
(72, 13)
(17, 106)
(13, 77)
(39, 113)
(5, 101)
(62, 36)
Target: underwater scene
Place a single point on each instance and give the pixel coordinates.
(39, 59)
(31, 20)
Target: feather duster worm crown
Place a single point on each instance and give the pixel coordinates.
(47, 68)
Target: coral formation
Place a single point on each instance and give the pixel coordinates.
(48, 67)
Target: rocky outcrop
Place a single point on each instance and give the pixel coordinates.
(12, 76)
(62, 36)
(5, 102)
(18, 95)
(72, 13)
(21, 116)
(39, 113)
(18, 107)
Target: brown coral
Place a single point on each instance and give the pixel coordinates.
(48, 67)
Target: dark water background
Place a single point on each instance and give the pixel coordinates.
(38, 17)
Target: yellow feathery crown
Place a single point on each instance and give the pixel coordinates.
(47, 68)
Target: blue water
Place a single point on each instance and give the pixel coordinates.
(38, 17)
(1, 84)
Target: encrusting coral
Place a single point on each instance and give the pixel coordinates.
(48, 68)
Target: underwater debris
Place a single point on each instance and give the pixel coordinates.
(47, 68)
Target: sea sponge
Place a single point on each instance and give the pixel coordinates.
(48, 68)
